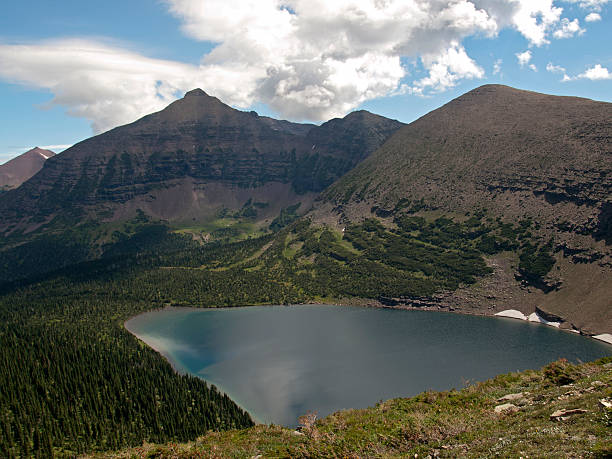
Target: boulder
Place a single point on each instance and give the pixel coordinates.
(605, 403)
(506, 408)
(519, 398)
(564, 415)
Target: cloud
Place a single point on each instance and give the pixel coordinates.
(595, 5)
(319, 58)
(306, 59)
(596, 73)
(568, 29)
(550, 67)
(592, 17)
(106, 85)
(497, 67)
(447, 69)
(534, 19)
(523, 58)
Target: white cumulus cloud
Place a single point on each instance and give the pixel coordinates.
(523, 58)
(592, 17)
(596, 73)
(568, 29)
(306, 59)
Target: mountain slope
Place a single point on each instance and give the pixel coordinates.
(513, 155)
(16, 171)
(187, 162)
(457, 423)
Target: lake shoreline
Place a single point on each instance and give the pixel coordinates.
(371, 303)
(153, 332)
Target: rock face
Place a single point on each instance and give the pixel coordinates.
(16, 171)
(191, 158)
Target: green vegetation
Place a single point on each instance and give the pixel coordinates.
(436, 424)
(536, 262)
(73, 380)
(286, 217)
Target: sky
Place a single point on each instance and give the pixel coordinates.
(71, 69)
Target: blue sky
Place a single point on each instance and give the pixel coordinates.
(70, 69)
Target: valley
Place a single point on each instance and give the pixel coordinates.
(498, 200)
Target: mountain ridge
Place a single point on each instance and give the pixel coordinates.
(187, 162)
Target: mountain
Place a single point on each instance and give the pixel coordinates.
(16, 171)
(513, 156)
(190, 161)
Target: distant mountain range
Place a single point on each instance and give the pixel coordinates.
(192, 159)
(16, 171)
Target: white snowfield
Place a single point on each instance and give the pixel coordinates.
(605, 337)
(533, 317)
(512, 313)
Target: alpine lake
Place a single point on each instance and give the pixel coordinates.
(279, 362)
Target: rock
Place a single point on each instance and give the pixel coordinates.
(605, 403)
(564, 415)
(518, 398)
(506, 408)
(607, 366)
(598, 384)
(298, 433)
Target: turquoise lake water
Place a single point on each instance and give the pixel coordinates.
(278, 362)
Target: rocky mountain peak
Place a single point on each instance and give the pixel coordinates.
(19, 169)
(197, 92)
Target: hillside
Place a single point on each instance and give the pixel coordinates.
(511, 155)
(16, 171)
(194, 159)
(513, 415)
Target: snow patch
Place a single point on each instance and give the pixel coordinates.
(41, 154)
(535, 317)
(512, 313)
(605, 337)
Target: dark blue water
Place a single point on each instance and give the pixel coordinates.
(279, 362)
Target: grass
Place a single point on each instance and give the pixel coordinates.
(437, 424)
(226, 229)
